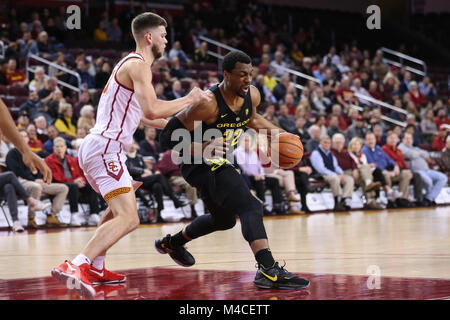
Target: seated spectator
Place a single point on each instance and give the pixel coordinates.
(87, 119)
(155, 182)
(269, 79)
(370, 177)
(380, 135)
(114, 32)
(325, 163)
(270, 115)
(33, 184)
(345, 95)
(201, 53)
(87, 81)
(39, 81)
(44, 46)
(333, 126)
(32, 106)
(102, 76)
(50, 109)
(374, 92)
(300, 129)
(439, 140)
(85, 99)
(66, 170)
(34, 143)
(320, 102)
(264, 65)
(10, 189)
(336, 110)
(415, 94)
(46, 94)
(285, 177)
(64, 121)
(55, 72)
(41, 129)
(278, 64)
(176, 70)
(286, 121)
(173, 174)
(100, 32)
(391, 171)
(427, 88)
(178, 52)
(176, 92)
(15, 76)
(315, 134)
(358, 88)
(52, 133)
(357, 129)
(319, 73)
(441, 117)
(417, 159)
(253, 173)
(281, 88)
(427, 124)
(27, 45)
(443, 160)
(149, 146)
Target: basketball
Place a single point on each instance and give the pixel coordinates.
(286, 150)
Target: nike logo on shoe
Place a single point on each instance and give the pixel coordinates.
(274, 279)
(100, 274)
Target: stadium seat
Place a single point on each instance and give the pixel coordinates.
(3, 90)
(18, 91)
(192, 74)
(20, 100)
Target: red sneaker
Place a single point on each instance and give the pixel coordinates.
(102, 291)
(104, 276)
(74, 277)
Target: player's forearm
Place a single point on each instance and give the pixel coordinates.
(261, 123)
(157, 123)
(163, 109)
(9, 129)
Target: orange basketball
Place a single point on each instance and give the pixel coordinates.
(286, 150)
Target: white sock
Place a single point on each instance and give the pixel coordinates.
(80, 259)
(99, 262)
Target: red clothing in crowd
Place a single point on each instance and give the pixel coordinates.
(57, 168)
(417, 99)
(440, 121)
(35, 144)
(395, 155)
(438, 143)
(344, 159)
(166, 166)
(15, 76)
(346, 94)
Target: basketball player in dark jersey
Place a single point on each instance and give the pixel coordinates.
(223, 189)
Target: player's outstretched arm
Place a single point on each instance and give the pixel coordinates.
(157, 123)
(30, 159)
(153, 107)
(257, 121)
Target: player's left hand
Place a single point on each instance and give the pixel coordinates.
(33, 161)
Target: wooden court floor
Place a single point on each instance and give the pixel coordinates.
(395, 254)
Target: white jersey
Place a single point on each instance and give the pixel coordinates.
(118, 113)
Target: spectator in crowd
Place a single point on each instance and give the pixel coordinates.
(55, 72)
(441, 117)
(46, 94)
(417, 159)
(301, 129)
(270, 115)
(443, 160)
(269, 79)
(64, 122)
(27, 45)
(34, 143)
(281, 88)
(392, 150)
(10, 189)
(32, 106)
(153, 182)
(253, 172)
(114, 32)
(173, 174)
(177, 91)
(370, 177)
(357, 129)
(439, 140)
(100, 34)
(358, 88)
(66, 170)
(41, 128)
(44, 46)
(333, 126)
(52, 133)
(266, 94)
(286, 121)
(334, 58)
(176, 70)
(415, 94)
(427, 124)
(201, 53)
(39, 81)
(345, 95)
(87, 81)
(404, 85)
(15, 76)
(85, 99)
(102, 76)
(320, 102)
(87, 119)
(149, 146)
(264, 65)
(325, 163)
(285, 178)
(315, 133)
(178, 52)
(33, 184)
(278, 64)
(373, 90)
(427, 88)
(390, 169)
(3, 70)
(379, 133)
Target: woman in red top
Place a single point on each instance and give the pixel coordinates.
(415, 94)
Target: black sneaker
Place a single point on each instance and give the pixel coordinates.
(180, 255)
(277, 277)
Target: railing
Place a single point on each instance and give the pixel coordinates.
(49, 63)
(401, 63)
(384, 118)
(2, 50)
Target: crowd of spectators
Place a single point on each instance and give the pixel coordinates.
(348, 143)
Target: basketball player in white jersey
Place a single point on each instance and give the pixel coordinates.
(127, 99)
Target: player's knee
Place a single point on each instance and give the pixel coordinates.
(228, 223)
(132, 223)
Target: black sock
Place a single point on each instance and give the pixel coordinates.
(177, 240)
(264, 257)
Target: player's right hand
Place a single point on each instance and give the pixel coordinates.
(198, 95)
